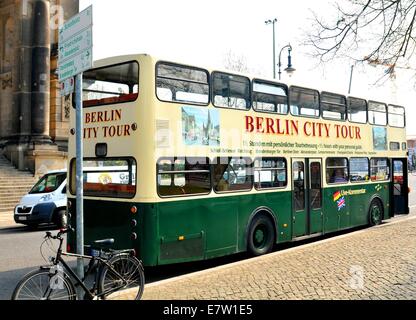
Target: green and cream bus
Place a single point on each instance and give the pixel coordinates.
(184, 164)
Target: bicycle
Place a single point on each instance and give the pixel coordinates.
(119, 272)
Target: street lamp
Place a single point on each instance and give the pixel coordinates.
(267, 22)
(289, 70)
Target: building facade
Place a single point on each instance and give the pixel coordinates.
(33, 116)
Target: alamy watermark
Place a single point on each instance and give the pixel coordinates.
(56, 281)
(357, 280)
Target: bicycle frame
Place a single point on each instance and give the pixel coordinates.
(59, 259)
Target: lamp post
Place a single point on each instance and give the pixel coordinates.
(267, 22)
(289, 68)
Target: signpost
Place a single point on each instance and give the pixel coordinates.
(75, 57)
(75, 45)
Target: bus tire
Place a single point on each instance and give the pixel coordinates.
(375, 213)
(261, 235)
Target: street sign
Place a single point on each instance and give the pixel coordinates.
(67, 87)
(75, 45)
(76, 24)
(78, 64)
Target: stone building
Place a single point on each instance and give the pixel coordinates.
(33, 117)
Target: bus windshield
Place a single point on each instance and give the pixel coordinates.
(110, 85)
(49, 183)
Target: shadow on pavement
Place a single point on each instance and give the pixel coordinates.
(25, 229)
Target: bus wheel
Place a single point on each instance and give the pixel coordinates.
(375, 213)
(261, 235)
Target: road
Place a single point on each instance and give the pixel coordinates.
(20, 253)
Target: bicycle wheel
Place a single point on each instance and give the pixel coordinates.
(130, 286)
(44, 284)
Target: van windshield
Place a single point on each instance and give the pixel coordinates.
(49, 183)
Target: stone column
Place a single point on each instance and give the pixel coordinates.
(7, 80)
(23, 94)
(41, 73)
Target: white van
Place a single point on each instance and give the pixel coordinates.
(45, 203)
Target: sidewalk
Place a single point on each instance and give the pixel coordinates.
(7, 220)
(375, 263)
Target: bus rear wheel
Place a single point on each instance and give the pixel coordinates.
(375, 213)
(261, 235)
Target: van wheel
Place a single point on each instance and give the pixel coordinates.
(61, 219)
(261, 235)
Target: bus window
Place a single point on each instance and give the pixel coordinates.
(394, 146)
(183, 176)
(396, 116)
(231, 91)
(359, 170)
(334, 106)
(357, 110)
(270, 173)
(380, 169)
(298, 172)
(110, 177)
(178, 83)
(111, 85)
(232, 174)
(377, 113)
(336, 170)
(270, 97)
(316, 186)
(304, 102)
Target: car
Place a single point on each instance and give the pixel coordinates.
(45, 203)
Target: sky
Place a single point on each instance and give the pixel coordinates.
(202, 32)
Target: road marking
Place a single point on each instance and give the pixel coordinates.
(275, 254)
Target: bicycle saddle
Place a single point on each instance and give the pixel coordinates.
(104, 242)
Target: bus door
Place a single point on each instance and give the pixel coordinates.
(307, 197)
(315, 196)
(299, 209)
(399, 187)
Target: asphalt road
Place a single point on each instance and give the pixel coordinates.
(20, 254)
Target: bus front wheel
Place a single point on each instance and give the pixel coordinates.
(261, 235)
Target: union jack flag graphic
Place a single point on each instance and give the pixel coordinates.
(341, 203)
(340, 200)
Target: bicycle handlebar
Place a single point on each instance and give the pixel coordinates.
(59, 234)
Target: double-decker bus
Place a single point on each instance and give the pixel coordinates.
(184, 164)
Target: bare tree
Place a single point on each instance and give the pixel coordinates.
(380, 32)
(234, 62)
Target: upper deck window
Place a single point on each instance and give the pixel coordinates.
(357, 110)
(178, 83)
(377, 113)
(270, 97)
(304, 102)
(111, 84)
(231, 91)
(334, 106)
(396, 116)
